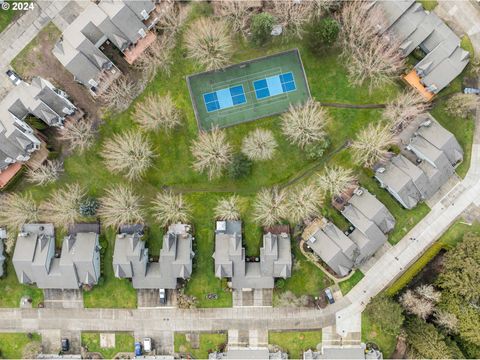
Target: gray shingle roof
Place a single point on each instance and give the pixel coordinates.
(275, 258)
(3, 236)
(35, 262)
(131, 259)
(414, 27)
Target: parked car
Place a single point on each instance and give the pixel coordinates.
(329, 296)
(471, 91)
(138, 349)
(147, 344)
(163, 296)
(12, 75)
(65, 345)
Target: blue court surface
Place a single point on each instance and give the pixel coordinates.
(274, 85)
(224, 98)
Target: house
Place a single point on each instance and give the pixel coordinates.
(35, 261)
(248, 353)
(117, 22)
(131, 258)
(230, 262)
(416, 28)
(17, 139)
(423, 167)
(335, 248)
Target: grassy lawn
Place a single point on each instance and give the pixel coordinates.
(428, 4)
(295, 343)
(124, 342)
(173, 168)
(348, 284)
(12, 344)
(12, 291)
(448, 240)
(6, 17)
(208, 343)
(370, 332)
(110, 292)
(466, 44)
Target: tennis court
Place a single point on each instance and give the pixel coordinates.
(249, 90)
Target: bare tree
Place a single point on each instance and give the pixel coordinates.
(121, 92)
(416, 305)
(461, 105)
(120, 206)
(47, 173)
(304, 203)
(446, 320)
(172, 17)
(228, 208)
(335, 180)
(370, 57)
(79, 135)
(304, 124)
(293, 15)
(212, 153)
(158, 57)
(62, 207)
(428, 292)
(157, 112)
(259, 144)
(208, 42)
(17, 209)
(169, 208)
(129, 153)
(237, 13)
(270, 206)
(372, 144)
(403, 109)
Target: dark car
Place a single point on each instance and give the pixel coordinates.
(329, 295)
(65, 345)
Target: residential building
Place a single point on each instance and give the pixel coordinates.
(413, 27)
(275, 259)
(423, 167)
(131, 258)
(119, 22)
(359, 352)
(17, 139)
(35, 260)
(370, 220)
(248, 353)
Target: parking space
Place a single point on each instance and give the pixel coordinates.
(162, 341)
(150, 298)
(255, 297)
(63, 299)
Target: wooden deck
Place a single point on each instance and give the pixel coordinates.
(38, 157)
(135, 52)
(9, 173)
(414, 80)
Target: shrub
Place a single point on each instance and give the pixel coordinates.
(240, 167)
(321, 33)
(89, 207)
(261, 28)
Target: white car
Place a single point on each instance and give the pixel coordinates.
(14, 77)
(147, 344)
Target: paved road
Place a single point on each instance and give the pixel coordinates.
(463, 16)
(144, 320)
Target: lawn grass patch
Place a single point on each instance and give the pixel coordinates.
(209, 342)
(295, 342)
(6, 17)
(429, 4)
(12, 344)
(353, 280)
(447, 241)
(33, 52)
(12, 291)
(466, 44)
(124, 342)
(372, 333)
